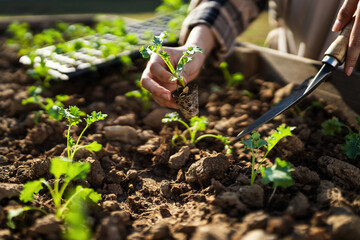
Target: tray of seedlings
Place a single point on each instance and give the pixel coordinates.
(96, 158)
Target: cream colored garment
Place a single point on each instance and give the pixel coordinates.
(302, 27)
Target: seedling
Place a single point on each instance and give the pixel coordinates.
(48, 105)
(351, 147)
(21, 37)
(278, 174)
(298, 112)
(73, 115)
(64, 171)
(157, 48)
(47, 37)
(115, 27)
(72, 31)
(231, 79)
(142, 94)
(196, 124)
(254, 143)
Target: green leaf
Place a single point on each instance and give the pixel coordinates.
(13, 213)
(77, 170)
(331, 126)
(62, 98)
(59, 166)
(192, 50)
(88, 194)
(72, 114)
(170, 117)
(30, 188)
(279, 134)
(200, 123)
(158, 40)
(254, 141)
(71, 142)
(237, 78)
(145, 52)
(352, 145)
(94, 117)
(278, 174)
(135, 93)
(94, 146)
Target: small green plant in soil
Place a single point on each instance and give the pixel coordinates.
(157, 48)
(278, 174)
(73, 116)
(48, 105)
(351, 148)
(196, 124)
(298, 112)
(231, 79)
(142, 94)
(64, 171)
(254, 143)
(21, 37)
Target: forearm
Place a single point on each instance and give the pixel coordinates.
(202, 36)
(225, 21)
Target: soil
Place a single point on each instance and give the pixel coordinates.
(153, 190)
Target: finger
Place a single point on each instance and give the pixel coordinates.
(354, 46)
(160, 73)
(161, 102)
(345, 14)
(155, 88)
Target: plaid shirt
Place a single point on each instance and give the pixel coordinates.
(301, 27)
(226, 18)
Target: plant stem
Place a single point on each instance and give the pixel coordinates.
(272, 195)
(68, 142)
(77, 142)
(63, 208)
(253, 175)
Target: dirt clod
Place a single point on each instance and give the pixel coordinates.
(206, 168)
(179, 159)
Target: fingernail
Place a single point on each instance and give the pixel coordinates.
(337, 26)
(165, 96)
(349, 71)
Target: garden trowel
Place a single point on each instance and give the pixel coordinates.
(333, 57)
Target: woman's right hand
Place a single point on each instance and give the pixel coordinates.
(156, 76)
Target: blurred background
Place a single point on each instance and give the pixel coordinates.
(45, 7)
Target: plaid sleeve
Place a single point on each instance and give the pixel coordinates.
(226, 18)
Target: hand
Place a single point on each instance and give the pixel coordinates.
(156, 76)
(346, 13)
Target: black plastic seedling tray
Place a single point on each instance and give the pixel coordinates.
(67, 65)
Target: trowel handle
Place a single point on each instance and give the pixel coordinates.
(339, 46)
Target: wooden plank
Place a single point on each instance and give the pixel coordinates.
(339, 90)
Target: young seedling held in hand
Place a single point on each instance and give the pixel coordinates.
(196, 124)
(73, 115)
(157, 48)
(278, 174)
(351, 147)
(254, 143)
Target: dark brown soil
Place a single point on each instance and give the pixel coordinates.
(152, 190)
